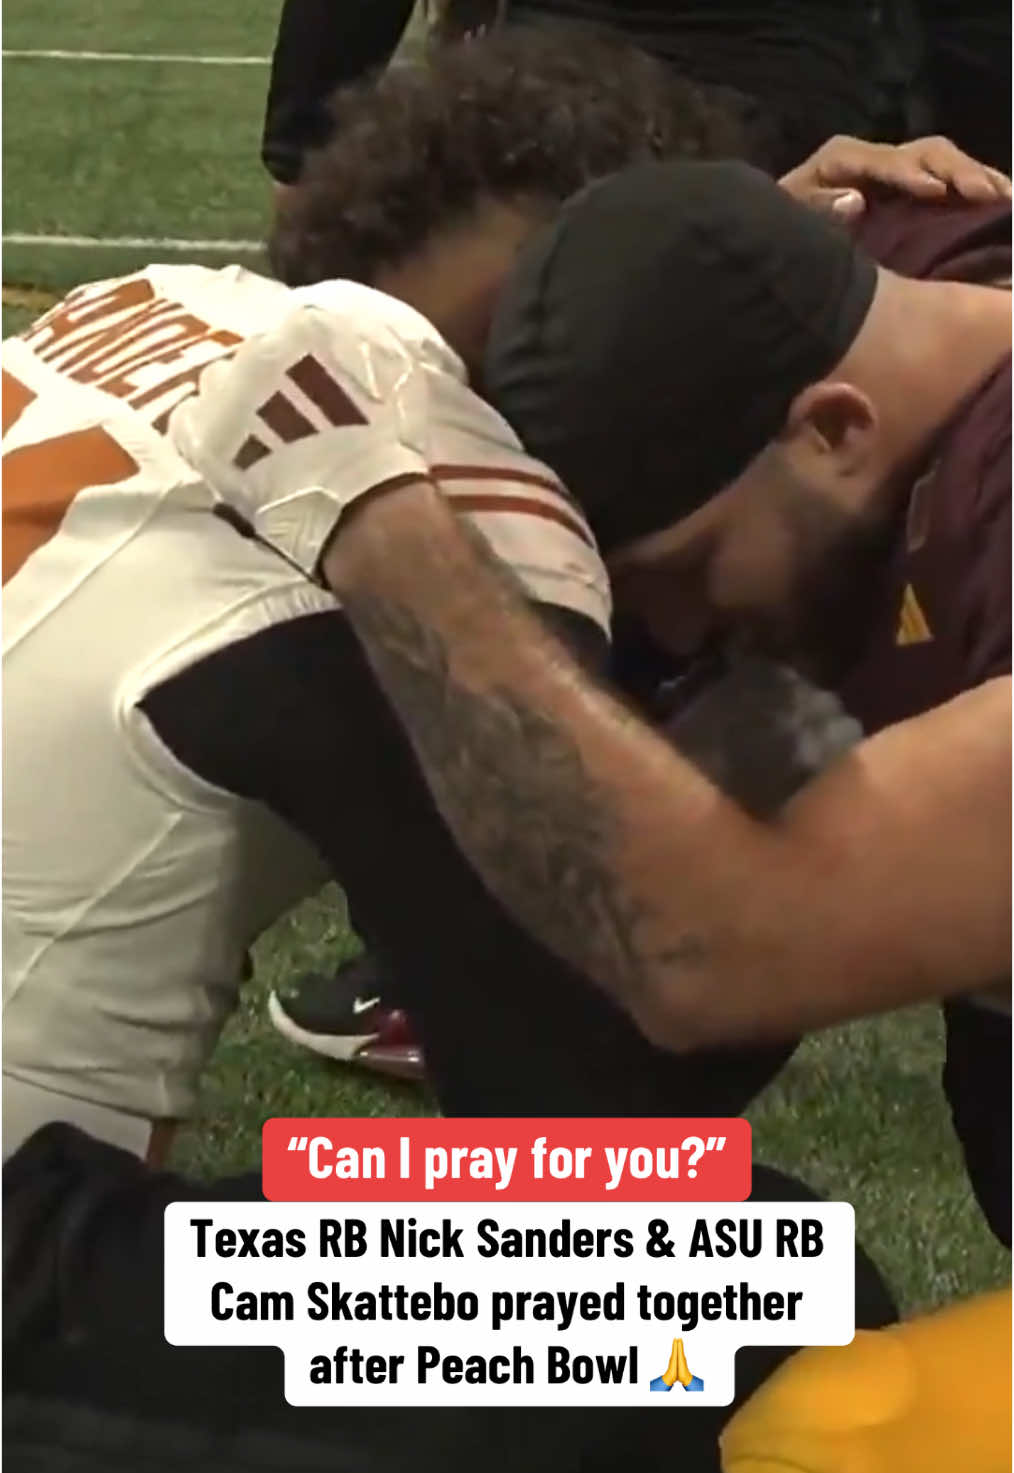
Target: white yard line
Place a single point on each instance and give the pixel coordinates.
(14, 55)
(132, 242)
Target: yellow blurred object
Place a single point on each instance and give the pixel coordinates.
(932, 1395)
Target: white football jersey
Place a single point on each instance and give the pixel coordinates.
(133, 889)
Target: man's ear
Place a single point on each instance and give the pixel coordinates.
(833, 422)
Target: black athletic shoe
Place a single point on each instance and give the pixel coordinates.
(344, 1017)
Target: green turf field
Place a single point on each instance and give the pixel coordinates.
(166, 151)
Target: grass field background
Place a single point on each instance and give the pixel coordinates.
(168, 150)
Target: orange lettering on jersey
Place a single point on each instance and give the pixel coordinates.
(72, 314)
(97, 344)
(174, 335)
(16, 399)
(109, 356)
(188, 380)
(40, 481)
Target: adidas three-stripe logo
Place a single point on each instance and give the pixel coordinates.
(286, 420)
(536, 495)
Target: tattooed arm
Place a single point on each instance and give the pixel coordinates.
(886, 881)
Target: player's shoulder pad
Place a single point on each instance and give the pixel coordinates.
(524, 512)
(369, 310)
(337, 333)
(333, 358)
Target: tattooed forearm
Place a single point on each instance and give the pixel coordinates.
(514, 789)
(710, 927)
(577, 817)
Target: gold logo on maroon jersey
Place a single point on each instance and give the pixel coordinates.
(912, 625)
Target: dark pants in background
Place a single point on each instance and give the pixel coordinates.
(967, 75)
(885, 69)
(977, 1072)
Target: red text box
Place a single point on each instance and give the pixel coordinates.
(477, 1160)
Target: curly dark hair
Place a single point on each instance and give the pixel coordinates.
(522, 113)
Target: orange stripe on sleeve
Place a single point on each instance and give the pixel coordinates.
(501, 473)
(479, 502)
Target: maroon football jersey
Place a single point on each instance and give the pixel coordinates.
(942, 617)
